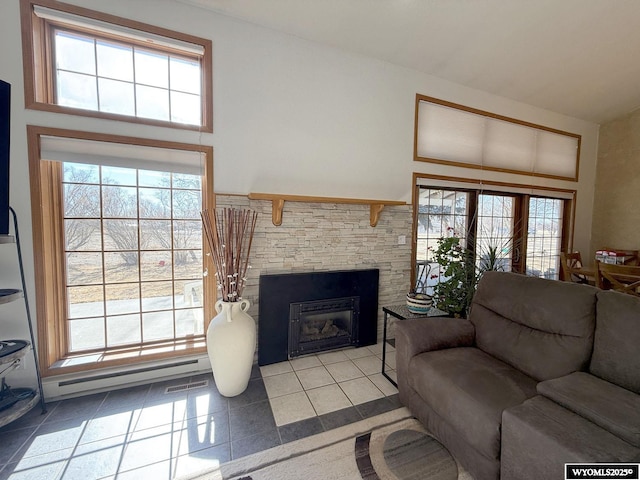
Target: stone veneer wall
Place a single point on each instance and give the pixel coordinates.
(327, 236)
(616, 216)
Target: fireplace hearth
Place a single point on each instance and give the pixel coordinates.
(304, 313)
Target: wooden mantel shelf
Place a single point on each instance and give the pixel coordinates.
(277, 204)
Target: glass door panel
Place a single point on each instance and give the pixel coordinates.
(544, 237)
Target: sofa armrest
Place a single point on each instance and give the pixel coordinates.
(434, 333)
(425, 334)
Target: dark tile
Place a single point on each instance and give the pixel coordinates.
(196, 462)
(375, 407)
(100, 463)
(157, 391)
(156, 471)
(255, 392)
(255, 372)
(251, 419)
(340, 418)
(395, 400)
(46, 471)
(255, 443)
(13, 441)
(80, 407)
(206, 400)
(31, 419)
(109, 424)
(125, 399)
(52, 437)
(301, 429)
(204, 432)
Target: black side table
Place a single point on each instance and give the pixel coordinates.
(401, 312)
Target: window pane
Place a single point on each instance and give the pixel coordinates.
(189, 293)
(77, 90)
(152, 69)
(155, 203)
(86, 333)
(121, 235)
(80, 200)
(156, 234)
(123, 330)
(189, 322)
(152, 102)
(118, 175)
(85, 301)
(122, 298)
(185, 180)
(185, 108)
(152, 178)
(115, 61)
(544, 237)
(155, 265)
(120, 202)
(186, 204)
(188, 264)
(116, 97)
(187, 234)
(84, 268)
(82, 234)
(157, 325)
(185, 75)
(157, 296)
(117, 268)
(495, 242)
(81, 173)
(75, 53)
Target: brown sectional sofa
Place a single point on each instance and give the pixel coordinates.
(541, 374)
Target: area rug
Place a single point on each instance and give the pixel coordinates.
(391, 446)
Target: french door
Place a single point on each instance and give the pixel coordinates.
(503, 231)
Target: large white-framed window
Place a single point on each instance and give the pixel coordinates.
(120, 239)
(88, 63)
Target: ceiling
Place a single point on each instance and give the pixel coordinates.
(575, 57)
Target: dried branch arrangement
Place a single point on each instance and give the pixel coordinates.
(229, 234)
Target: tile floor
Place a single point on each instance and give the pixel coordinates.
(144, 433)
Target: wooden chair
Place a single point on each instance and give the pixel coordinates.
(570, 269)
(623, 278)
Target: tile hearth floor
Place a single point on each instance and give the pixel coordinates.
(144, 433)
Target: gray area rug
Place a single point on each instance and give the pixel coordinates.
(391, 446)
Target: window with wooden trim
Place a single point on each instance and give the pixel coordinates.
(507, 227)
(120, 235)
(88, 63)
(452, 134)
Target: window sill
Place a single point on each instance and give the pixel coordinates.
(128, 357)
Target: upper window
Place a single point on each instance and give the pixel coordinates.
(88, 63)
(453, 134)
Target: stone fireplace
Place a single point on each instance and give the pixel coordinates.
(304, 313)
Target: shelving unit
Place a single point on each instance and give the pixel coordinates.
(16, 350)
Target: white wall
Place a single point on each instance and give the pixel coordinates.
(290, 116)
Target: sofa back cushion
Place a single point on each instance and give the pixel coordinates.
(616, 353)
(542, 327)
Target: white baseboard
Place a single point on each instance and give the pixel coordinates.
(84, 383)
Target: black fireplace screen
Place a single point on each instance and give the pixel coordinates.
(323, 325)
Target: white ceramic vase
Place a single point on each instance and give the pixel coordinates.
(231, 344)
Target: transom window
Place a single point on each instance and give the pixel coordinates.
(88, 63)
(98, 74)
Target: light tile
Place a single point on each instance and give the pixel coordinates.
(383, 384)
(353, 353)
(376, 349)
(275, 369)
(343, 371)
(390, 360)
(392, 374)
(283, 384)
(305, 362)
(291, 408)
(369, 365)
(315, 377)
(328, 399)
(332, 357)
(361, 390)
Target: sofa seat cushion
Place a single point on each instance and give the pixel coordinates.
(469, 389)
(614, 408)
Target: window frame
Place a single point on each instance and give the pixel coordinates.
(49, 264)
(477, 186)
(37, 48)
